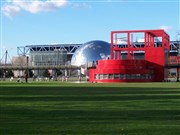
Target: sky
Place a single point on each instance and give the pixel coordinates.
(34, 22)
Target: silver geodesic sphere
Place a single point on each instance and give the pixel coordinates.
(91, 51)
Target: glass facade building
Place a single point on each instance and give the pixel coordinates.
(48, 58)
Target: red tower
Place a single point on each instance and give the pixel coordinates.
(134, 63)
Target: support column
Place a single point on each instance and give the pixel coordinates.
(177, 74)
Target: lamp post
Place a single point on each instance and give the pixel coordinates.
(27, 70)
(178, 62)
(178, 69)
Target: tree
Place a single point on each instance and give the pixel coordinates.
(46, 73)
(9, 73)
(31, 73)
(1, 73)
(58, 72)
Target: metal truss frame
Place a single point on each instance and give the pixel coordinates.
(71, 48)
(25, 50)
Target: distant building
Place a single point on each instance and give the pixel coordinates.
(45, 52)
(48, 55)
(63, 54)
(19, 61)
(48, 58)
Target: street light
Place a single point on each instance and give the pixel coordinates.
(178, 63)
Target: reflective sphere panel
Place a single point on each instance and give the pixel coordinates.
(91, 51)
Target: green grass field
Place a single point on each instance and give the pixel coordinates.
(89, 109)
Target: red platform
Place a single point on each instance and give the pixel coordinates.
(124, 66)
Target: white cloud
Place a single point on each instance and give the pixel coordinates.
(10, 10)
(166, 28)
(32, 6)
(81, 5)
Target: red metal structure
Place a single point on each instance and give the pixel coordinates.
(130, 63)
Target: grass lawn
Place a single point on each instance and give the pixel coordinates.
(89, 109)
